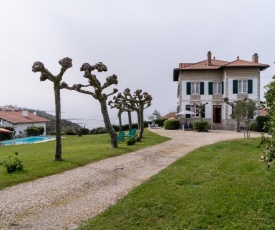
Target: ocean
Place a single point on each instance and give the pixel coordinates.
(91, 121)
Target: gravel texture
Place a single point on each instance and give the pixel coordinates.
(67, 200)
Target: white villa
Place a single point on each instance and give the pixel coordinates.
(211, 80)
(21, 120)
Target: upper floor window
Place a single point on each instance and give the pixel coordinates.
(195, 88)
(217, 87)
(242, 86)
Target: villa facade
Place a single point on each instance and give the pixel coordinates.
(21, 120)
(211, 80)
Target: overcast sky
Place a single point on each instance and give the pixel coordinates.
(141, 41)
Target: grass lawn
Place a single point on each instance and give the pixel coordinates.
(220, 186)
(77, 151)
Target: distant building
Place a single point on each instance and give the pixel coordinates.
(21, 120)
(211, 80)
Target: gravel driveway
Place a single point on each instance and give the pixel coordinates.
(66, 200)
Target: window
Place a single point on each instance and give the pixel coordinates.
(242, 86)
(195, 88)
(217, 87)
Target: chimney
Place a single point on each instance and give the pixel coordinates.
(24, 113)
(255, 58)
(209, 58)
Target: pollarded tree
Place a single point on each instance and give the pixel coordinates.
(65, 63)
(120, 104)
(138, 102)
(200, 108)
(97, 93)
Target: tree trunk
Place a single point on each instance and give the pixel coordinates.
(141, 123)
(119, 120)
(237, 129)
(130, 120)
(107, 122)
(58, 149)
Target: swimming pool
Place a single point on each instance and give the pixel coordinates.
(28, 140)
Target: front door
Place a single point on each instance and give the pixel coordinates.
(217, 113)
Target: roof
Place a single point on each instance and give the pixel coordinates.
(16, 117)
(217, 65)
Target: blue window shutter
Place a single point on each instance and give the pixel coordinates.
(201, 88)
(222, 88)
(210, 88)
(235, 86)
(250, 86)
(188, 88)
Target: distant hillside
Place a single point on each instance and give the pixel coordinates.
(65, 124)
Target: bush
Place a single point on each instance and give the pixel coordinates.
(12, 166)
(70, 132)
(253, 127)
(261, 120)
(99, 130)
(35, 131)
(201, 126)
(171, 124)
(160, 121)
(131, 140)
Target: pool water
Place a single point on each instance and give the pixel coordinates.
(28, 140)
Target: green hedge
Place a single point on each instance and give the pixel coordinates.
(35, 130)
(171, 124)
(261, 123)
(201, 126)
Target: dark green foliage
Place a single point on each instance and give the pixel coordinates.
(201, 126)
(131, 140)
(70, 132)
(85, 131)
(12, 166)
(54, 133)
(160, 121)
(261, 123)
(99, 130)
(253, 127)
(6, 136)
(35, 131)
(171, 124)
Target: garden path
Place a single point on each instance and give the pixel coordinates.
(67, 200)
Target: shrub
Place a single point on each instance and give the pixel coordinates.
(99, 130)
(12, 166)
(253, 127)
(131, 140)
(35, 131)
(70, 132)
(201, 126)
(261, 120)
(85, 131)
(171, 124)
(160, 121)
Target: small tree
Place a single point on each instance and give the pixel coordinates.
(155, 115)
(98, 93)
(122, 106)
(200, 108)
(65, 63)
(137, 102)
